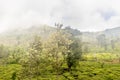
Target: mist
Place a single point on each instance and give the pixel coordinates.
(87, 15)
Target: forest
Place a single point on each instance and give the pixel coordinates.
(61, 53)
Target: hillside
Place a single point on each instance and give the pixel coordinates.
(93, 57)
(110, 34)
(23, 36)
(18, 36)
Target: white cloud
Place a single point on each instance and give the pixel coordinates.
(90, 15)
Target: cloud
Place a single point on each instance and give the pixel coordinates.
(85, 15)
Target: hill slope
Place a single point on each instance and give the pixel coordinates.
(25, 35)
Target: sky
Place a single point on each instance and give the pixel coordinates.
(85, 15)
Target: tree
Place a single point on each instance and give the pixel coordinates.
(112, 44)
(31, 66)
(60, 48)
(74, 54)
(102, 41)
(74, 32)
(57, 46)
(63, 48)
(4, 51)
(15, 55)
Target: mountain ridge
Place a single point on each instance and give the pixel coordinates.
(45, 30)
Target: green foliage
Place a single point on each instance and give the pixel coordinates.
(59, 57)
(4, 51)
(74, 32)
(32, 66)
(15, 55)
(74, 56)
(58, 46)
(9, 72)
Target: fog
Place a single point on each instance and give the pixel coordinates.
(85, 15)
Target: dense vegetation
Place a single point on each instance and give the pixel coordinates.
(59, 54)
